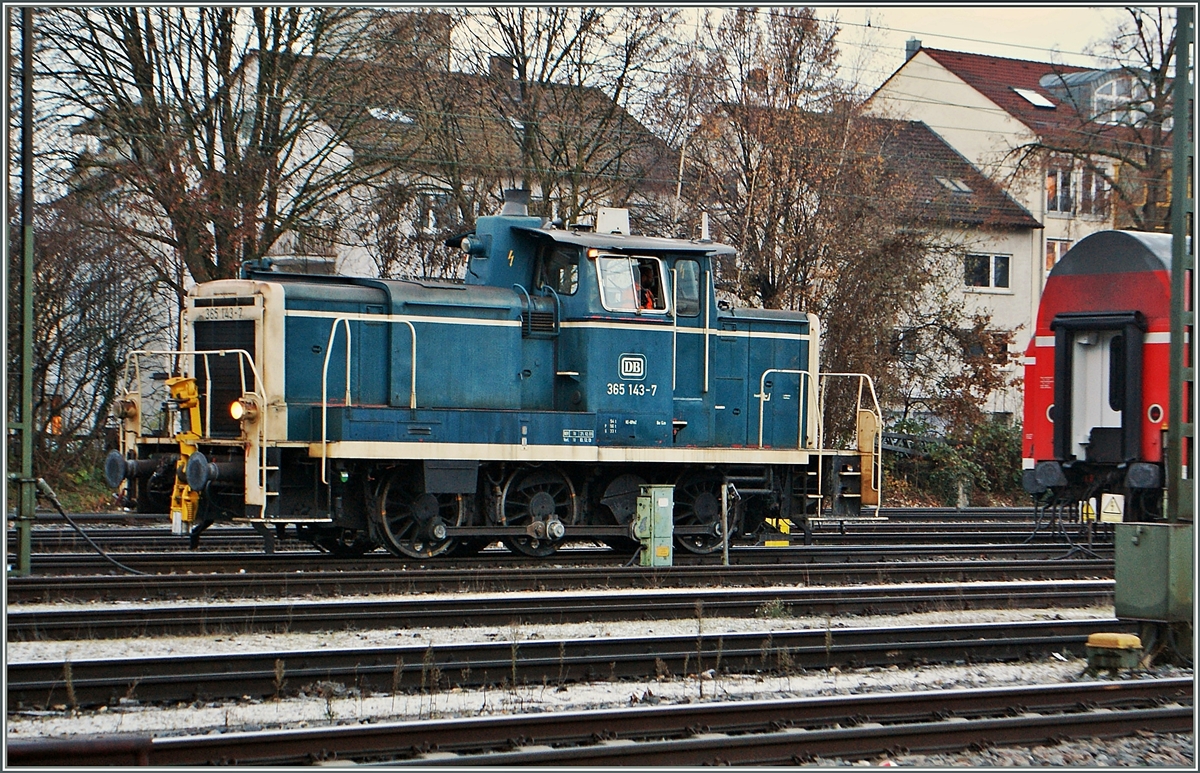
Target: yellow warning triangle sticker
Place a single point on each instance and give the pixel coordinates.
(1113, 507)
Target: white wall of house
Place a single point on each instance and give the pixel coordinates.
(1012, 307)
(984, 133)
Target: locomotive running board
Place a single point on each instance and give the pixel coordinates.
(356, 449)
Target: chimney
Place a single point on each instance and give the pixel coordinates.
(502, 67)
(911, 48)
(516, 202)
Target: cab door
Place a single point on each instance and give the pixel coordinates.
(691, 305)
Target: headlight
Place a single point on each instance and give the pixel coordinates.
(245, 409)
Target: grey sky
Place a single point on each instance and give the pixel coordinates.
(1035, 32)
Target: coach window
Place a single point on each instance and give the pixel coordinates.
(1116, 373)
(687, 288)
(560, 270)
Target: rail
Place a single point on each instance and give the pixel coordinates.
(412, 392)
(549, 291)
(674, 327)
(527, 321)
(764, 397)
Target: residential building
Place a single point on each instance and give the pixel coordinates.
(987, 228)
(1002, 114)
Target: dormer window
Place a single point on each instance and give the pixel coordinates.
(1118, 101)
(391, 116)
(1033, 98)
(955, 184)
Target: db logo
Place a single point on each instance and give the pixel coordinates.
(633, 367)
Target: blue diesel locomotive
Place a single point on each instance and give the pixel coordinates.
(526, 404)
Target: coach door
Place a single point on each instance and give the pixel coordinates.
(1095, 415)
(1098, 366)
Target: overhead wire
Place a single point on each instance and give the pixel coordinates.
(638, 130)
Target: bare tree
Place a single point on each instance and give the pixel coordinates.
(562, 83)
(216, 130)
(92, 305)
(1119, 131)
(804, 185)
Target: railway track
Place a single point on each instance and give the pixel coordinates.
(235, 580)
(127, 532)
(542, 607)
(233, 675)
(853, 726)
(206, 562)
(130, 539)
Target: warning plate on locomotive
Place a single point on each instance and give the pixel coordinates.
(579, 436)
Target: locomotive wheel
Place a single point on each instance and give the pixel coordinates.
(698, 503)
(533, 498)
(411, 521)
(620, 499)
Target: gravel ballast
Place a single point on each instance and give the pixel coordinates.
(325, 704)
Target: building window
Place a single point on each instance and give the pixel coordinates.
(1058, 189)
(955, 184)
(1093, 192)
(1119, 101)
(991, 345)
(319, 240)
(1055, 249)
(989, 271)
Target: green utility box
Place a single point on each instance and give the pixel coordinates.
(654, 524)
(1154, 572)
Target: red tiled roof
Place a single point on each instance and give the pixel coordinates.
(995, 77)
(914, 149)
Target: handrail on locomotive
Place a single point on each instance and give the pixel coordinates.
(134, 359)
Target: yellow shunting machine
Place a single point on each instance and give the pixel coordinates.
(184, 500)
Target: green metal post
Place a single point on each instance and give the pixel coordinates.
(1181, 430)
(27, 491)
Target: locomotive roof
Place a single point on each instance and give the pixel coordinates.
(1116, 252)
(625, 242)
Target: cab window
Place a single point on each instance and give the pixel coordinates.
(560, 270)
(687, 288)
(631, 284)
